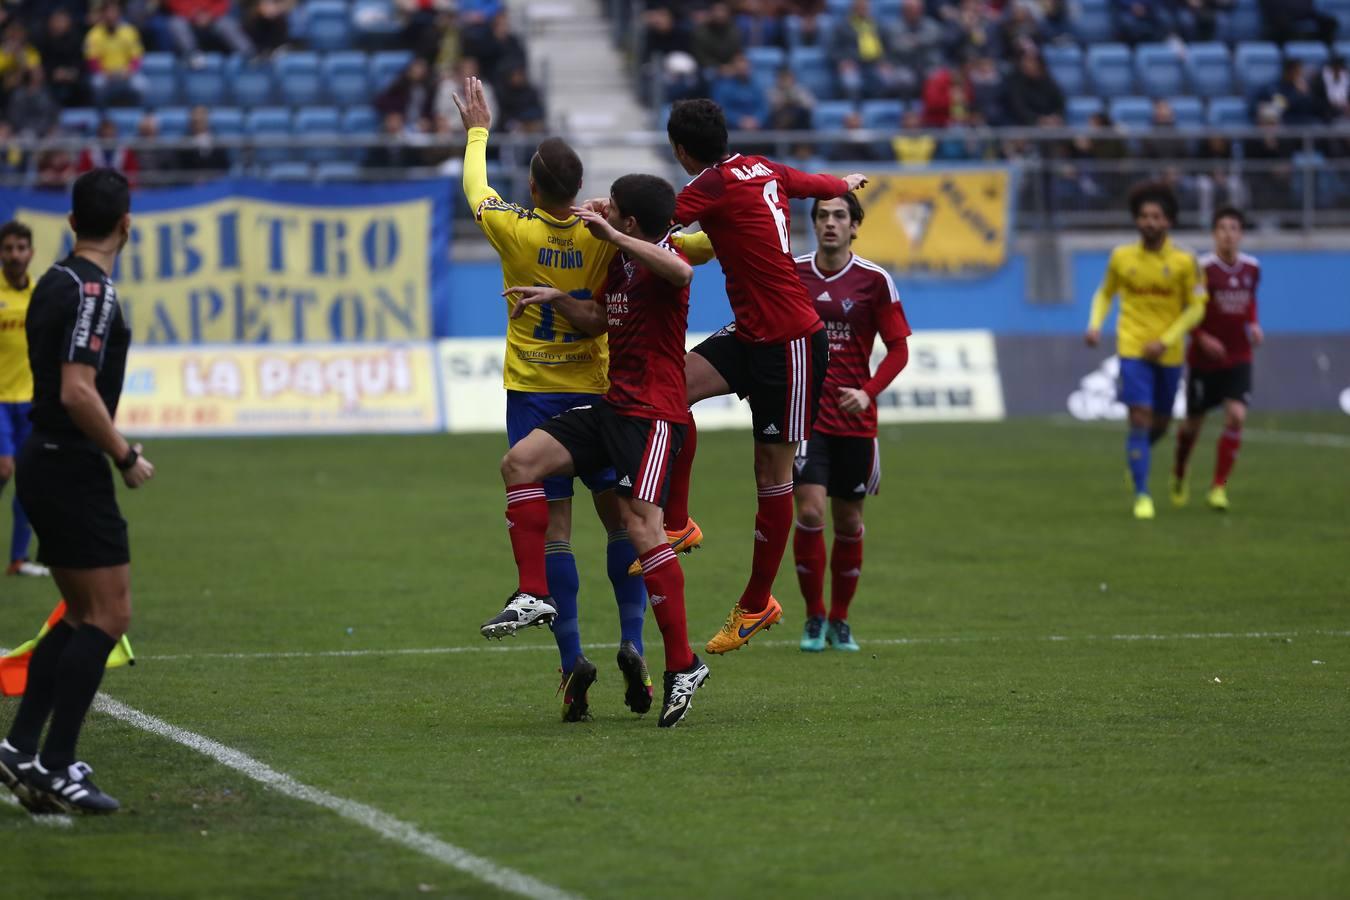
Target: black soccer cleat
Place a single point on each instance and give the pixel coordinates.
(522, 610)
(637, 694)
(574, 688)
(14, 768)
(680, 687)
(70, 790)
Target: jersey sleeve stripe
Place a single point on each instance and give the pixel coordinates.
(890, 282)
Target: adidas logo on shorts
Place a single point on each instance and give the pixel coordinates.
(770, 429)
(861, 488)
(625, 481)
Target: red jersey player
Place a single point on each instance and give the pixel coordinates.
(1219, 361)
(857, 302)
(775, 352)
(637, 427)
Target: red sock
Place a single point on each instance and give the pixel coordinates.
(845, 570)
(773, 523)
(677, 504)
(808, 551)
(1229, 444)
(1185, 444)
(664, 578)
(526, 522)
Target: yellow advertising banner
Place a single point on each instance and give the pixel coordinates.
(946, 222)
(335, 389)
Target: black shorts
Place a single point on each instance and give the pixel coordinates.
(66, 488)
(848, 467)
(1208, 389)
(640, 451)
(783, 381)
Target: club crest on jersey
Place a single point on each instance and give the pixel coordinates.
(1232, 281)
(848, 304)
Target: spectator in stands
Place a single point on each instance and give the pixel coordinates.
(743, 101)
(1056, 22)
(859, 53)
(988, 99)
(855, 148)
(945, 98)
(1292, 96)
(914, 44)
(206, 24)
(811, 31)
(17, 55)
(913, 149)
(62, 52)
(268, 24)
(113, 52)
(1034, 97)
(452, 82)
(497, 49)
(1289, 20)
(443, 44)
(1197, 20)
(716, 40)
(972, 27)
(108, 153)
(1331, 88)
(12, 161)
(664, 32)
(395, 152)
(204, 156)
(682, 78)
(1162, 125)
(1141, 21)
(32, 109)
(1021, 29)
(55, 166)
(790, 103)
(522, 107)
(1270, 170)
(411, 94)
(149, 157)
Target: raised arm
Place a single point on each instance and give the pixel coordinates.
(477, 119)
(803, 185)
(661, 261)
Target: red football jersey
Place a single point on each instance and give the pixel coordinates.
(742, 204)
(1230, 311)
(648, 318)
(857, 303)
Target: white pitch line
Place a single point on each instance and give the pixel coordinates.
(51, 821)
(888, 642)
(381, 823)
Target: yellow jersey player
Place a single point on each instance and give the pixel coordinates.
(552, 366)
(16, 378)
(1161, 299)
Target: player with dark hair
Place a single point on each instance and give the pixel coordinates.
(636, 428)
(16, 379)
(77, 344)
(857, 301)
(1219, 362)
(775, 352)
(552, 365)
(1161, 300)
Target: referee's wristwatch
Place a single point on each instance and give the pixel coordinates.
(129, 460)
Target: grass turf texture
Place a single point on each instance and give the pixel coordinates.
(1001, 764)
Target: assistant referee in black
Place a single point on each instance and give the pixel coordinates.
(77, 347)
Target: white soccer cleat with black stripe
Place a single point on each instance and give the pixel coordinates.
(522, 610)
(70, 790)
(680, 688)
(14, 768)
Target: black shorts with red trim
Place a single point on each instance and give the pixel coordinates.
(1206, 389)
(848, 467)
(640, 451)
(782, 381)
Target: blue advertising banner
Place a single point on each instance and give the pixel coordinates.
(241, 261)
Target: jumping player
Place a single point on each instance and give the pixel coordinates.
(1219, 362)
(551, 365)
(857, 301)
(636, 427)
(774, 353)
(1161, 299)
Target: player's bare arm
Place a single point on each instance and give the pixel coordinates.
(662, 263)
(587, 315)
(79, 395)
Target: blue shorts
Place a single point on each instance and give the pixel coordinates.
(526, 411)
(1143, 383)
(14, 427)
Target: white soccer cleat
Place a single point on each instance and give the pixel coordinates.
(522, 610)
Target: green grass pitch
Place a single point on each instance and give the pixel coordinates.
(997, 736)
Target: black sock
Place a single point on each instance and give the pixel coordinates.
(1155, 435)
(77, 682)
(36, 704)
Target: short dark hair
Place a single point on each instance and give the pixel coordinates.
(556, 170)
(16, 229)
(700, 127)
(1154, 192)
(99, 200)
(647, 198)
(1227, 212)
(855, 208)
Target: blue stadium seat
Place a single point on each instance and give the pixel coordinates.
(794, 32)
(320, 122)
(204, 83)
(360, 120)
(173, 121)
(1210, 69)
(1132, 112)
(327, 25)
(813, 70)
(838, 7)
(1341, 10)
(346, 78)
(79, 121)
(1080, 109)
(1093, 23)
(1158, 69)
(269, 121)
(1343, 47)
(1244, 23)
(298, 80)
(1311, 53)
(1229, 111)
(1110, 69)
(287, 171)
(1189, 111)
(337, 170)
(386, 65)
(764, 64)
(227, 121)
(886, 10)
(1065, 62)
(126, 120)
(882, 114)
(1257, 64)
(250, 81)
(375, 21)
(161, 79)
(828, 115)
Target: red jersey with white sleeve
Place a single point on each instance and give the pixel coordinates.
(648, 317)
(857, 303)
(1230, 312)
(742, 204)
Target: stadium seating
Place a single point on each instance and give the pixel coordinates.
(1257, 64)
(320, 122)
(1243, 23)
(1093, 23)
(1225, 111)
(269, 122)
(347, 78)
(327, 25)
(1311, 53)
(360, 120)
(1159, 70)
(204, 83)
(386, 65)
(1080, 109)
(1110, 69)
(161, 79)
(173, 121)
(813, 70)
(880, 114)
(1134, 113)
(251, 83)
(298, 80)
(1209, 68)
(828, 116)
(1065, 62)
(1189, 111)
(79, 121)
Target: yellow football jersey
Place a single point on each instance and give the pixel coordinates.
(1162, 297)
(16, 378)
(544, 352)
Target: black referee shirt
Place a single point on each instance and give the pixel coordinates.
(74, 316)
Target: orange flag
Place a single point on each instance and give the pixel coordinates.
(14, 665)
